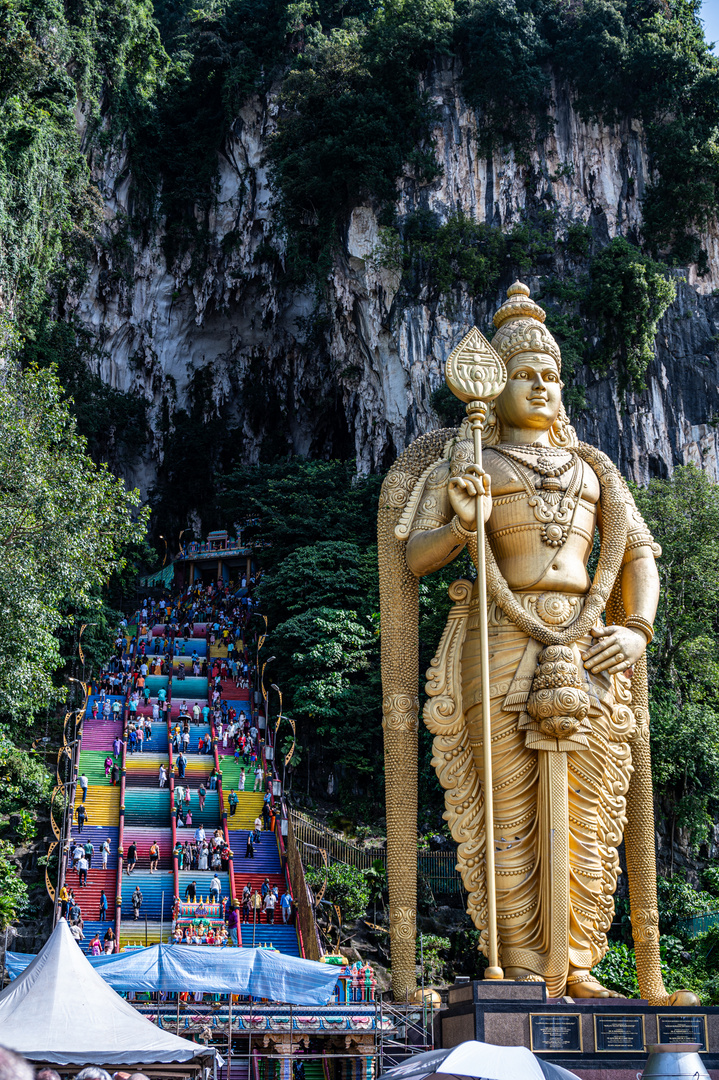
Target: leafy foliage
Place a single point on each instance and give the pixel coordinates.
(329, 659)
(24, 781)
(299, 502)
(14, 899)
(432, 950)
(346, 886)
(64, 522)
(336, 572)
(628, 295)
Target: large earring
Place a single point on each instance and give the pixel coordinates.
(491, 428)
(561, 432)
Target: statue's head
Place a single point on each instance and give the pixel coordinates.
(532, 397)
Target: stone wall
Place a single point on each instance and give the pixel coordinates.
(360, 381)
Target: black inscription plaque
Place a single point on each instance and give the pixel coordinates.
(619, 1033)
(684, 1028)
(560, 1033)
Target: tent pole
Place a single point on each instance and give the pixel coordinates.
(229, 1040)
(162, 913)
(249, 1044)
(178, 1013)
(4, 960)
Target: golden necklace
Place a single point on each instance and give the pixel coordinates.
(552, 507)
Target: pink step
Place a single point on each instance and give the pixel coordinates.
(100, 736)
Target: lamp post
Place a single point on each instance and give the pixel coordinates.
(269, 660)
(277, 690)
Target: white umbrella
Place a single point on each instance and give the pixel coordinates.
(480, 1061)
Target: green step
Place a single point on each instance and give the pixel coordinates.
(147, 806)
(231, 773)
(92, 763)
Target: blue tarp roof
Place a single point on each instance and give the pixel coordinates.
(259, 973)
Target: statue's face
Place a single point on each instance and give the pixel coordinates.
(533, 393)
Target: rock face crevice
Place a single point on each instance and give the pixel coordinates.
(351, 372)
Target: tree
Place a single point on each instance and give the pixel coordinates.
(330, 573)
(328, 668)
(296, 503)
(683, 514)
(346, 886)
(13, 890)
(63, 524)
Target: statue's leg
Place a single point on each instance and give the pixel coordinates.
(515, 783)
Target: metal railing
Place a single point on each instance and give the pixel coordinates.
(305, 914)
(698, 924)
(438, 869)
(312, 838)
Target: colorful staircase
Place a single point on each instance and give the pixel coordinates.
(148, 813)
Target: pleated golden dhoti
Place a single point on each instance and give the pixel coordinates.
(559, 804)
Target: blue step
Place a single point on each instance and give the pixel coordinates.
(112, 698)
(209, 818)
(198, 645)
(89, 928)
(282, 937)
(197, 730)
(145, 806)
(267, 857)
(189, 687)
(202, 879)
(158, 737)
(97, 834)
(152, 886)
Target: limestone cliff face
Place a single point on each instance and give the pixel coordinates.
(359, 379)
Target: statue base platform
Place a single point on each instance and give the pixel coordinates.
(596, 1038)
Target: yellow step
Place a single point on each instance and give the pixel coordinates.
(102, 804)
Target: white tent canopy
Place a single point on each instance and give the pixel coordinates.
(61, 1011)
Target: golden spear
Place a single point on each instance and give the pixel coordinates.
(475, 374)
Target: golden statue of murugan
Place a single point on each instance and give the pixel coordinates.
(568, 693)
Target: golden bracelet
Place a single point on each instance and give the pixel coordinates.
(637, 622)
(459, 530)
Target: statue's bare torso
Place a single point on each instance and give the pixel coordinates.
(525, 561)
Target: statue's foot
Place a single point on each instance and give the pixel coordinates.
(520, 974)
(582, 984)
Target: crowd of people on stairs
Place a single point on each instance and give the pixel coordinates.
(225, 726)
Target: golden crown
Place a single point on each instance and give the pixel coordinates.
(520, 327)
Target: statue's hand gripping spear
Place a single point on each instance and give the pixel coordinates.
(475, 374)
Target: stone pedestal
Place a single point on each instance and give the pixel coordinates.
(597, 1038)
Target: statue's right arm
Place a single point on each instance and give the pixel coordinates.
(431, 549)
(440, 535)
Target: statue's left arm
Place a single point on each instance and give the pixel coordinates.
(619, 647)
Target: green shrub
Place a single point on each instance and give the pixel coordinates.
(346, 886)
(628, 295)
(433, 950)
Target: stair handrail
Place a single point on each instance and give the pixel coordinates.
(223, 809)
(173, 816)
(220, 789)
(308, 941)
(315, 834)
(124, 718)
(121, 837)
(306, 923)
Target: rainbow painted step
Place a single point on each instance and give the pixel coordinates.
(157, 895)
